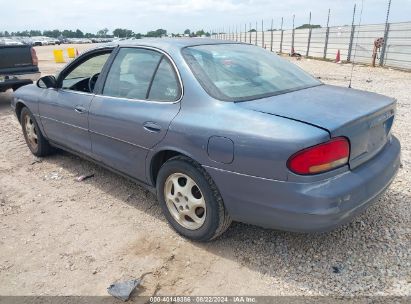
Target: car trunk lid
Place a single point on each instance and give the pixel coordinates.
(364, 118)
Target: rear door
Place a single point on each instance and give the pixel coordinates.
(134, 109)
(64, 111)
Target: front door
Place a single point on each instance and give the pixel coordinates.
(134, 109)
(64, 114)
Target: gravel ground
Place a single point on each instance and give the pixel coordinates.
(62, 237)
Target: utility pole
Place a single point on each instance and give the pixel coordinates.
(352, 35)
(327, 34)
(256, 32)
(309, 36)
(250, 32)
(271, 41)
(262, 33)
(282, 35)
(387, 28)
(293, 37)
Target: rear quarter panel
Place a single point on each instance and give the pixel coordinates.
(262, 142)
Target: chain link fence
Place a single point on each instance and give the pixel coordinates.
(355, 43)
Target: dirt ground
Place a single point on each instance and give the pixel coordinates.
(63, 237)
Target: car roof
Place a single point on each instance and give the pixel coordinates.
(170, 43)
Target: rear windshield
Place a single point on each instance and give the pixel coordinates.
(240, 72)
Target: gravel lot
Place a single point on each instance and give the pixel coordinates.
(62, 237)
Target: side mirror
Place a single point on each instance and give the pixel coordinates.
(46, 82)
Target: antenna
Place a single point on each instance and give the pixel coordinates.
(356, 44)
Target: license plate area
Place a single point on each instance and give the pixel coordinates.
(377, 137)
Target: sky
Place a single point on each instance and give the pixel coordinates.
(177, 15)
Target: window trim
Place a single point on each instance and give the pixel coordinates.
(80, 60)
(164, 54)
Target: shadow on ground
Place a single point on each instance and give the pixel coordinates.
(350, 259)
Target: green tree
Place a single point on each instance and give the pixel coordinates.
(79, 34)
(306, 25)
(53, 33)
(89, 35)
(200, 33)
(68, 34)
(35, 33)
(123, 33)
(187, 32)
(156, 33)
(103, 32)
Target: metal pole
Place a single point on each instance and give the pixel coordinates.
(309, 36)
(292, 37)
(262, 33)
(271, 42)
(250, 32)
(387, 28)
(256, 32)
(327, 33)
(352, 34)
(282, 35)
(236, 33)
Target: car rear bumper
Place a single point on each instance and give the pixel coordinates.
(307, 207)
(17, 80)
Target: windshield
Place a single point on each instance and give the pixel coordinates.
(240, 72)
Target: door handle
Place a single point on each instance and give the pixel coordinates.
(151, 126)
(80, 109)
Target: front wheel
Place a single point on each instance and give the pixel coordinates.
(190, 200)
(36, 142)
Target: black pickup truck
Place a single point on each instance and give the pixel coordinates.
(18, 66)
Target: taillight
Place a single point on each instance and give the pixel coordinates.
(320, 158)
(34, 58)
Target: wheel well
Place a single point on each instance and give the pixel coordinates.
(158, 160)
(19, 108)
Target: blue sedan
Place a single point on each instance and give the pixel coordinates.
(220, 131)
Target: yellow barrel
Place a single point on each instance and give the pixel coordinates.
(71, 52)
(58, 56)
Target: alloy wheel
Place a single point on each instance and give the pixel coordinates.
(31, 132)
(185, 201)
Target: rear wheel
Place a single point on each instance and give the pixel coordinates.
(36, 142)
(190, 200)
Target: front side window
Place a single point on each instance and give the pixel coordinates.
(240, 72)
(141, 74)
(84, 76)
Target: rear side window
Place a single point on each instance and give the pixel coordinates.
(165, 83)
(142, 74)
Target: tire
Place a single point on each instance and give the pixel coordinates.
(35, 140)
(211, 220)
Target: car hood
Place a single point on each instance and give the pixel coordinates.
(363, 117)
